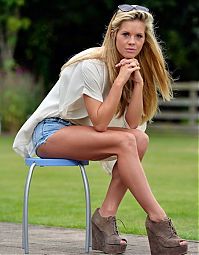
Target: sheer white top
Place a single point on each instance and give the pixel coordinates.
(65, 100)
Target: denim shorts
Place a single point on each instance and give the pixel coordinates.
(46, 128)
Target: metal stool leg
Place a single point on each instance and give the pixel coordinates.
(25, 210)
(88, 208)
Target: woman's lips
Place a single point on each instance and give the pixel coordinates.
(130, 50)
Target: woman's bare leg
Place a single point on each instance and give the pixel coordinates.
(117, 189)
(114, 195)
(134, 178)
(81, 143)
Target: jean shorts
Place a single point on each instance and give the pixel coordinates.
(46, 128)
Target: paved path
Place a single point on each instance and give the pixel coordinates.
(57, 241)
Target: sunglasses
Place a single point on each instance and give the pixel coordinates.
(128, 8)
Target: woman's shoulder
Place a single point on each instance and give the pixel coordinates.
(93, 64)
(87, 62)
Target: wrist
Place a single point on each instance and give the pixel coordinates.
(118, 82)
(136, 83)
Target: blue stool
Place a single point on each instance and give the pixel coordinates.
(32, 163)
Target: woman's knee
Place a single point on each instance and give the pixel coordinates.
(142, 140)
(127, 141)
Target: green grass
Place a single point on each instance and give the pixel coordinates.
(57, 195)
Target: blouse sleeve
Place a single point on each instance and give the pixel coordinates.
(93, 77)
(85, 77)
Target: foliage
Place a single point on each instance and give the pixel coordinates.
(10, 24)
(65, 28)
(19, 96)
(42, 35)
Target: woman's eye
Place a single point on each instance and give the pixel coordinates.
(139, 36)
(125, 34)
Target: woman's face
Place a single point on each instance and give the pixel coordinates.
(130, 38)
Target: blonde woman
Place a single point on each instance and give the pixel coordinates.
(98, 111)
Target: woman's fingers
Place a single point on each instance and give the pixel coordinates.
(131, 62)
(131, 65)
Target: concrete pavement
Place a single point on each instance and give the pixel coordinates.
(57, 241)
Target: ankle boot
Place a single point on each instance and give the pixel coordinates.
(105, 235)
(163, 239)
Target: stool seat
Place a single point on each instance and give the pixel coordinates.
(43, 162)
(54, 162)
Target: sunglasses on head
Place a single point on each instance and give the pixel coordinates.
(128, 8)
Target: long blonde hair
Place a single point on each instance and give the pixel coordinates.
(153, 66)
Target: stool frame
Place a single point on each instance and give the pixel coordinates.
(32, 163)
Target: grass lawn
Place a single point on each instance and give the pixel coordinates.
(57, 195)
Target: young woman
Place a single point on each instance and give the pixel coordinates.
(98, 110)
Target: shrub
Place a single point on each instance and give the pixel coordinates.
(19, 97)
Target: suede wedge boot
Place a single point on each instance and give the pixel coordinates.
(105, 236)
(163, 239)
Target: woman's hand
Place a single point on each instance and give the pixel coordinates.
(129, 69)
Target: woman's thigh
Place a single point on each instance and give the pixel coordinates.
(81, 142)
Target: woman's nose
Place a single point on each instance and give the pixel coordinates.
(131, 40)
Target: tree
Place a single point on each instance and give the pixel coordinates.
(10, 24)
(60, 28)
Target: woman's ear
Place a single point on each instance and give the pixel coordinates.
(113, 33)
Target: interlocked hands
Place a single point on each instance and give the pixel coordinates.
(129, 69)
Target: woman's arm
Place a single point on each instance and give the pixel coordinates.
(101, 113)
(135, 109)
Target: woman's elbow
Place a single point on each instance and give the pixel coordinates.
(100, 128)
(133, 126)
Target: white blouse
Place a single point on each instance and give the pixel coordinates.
(65, 100)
